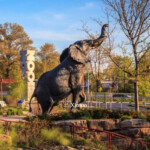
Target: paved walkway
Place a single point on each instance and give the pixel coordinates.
(16, 118)
(12, 118)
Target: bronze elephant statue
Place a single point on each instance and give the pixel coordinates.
(66, 78)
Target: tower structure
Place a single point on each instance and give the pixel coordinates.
(27, 66)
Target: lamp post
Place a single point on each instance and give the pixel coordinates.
(111, 96)
(88, 81)
(88, 84)
(83, 80)
(1, 80)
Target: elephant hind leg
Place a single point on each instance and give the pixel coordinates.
(52, 104)
(45, 106)
(82, 97)
(50, 109)
(43, 100)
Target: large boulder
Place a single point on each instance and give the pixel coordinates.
(135, 123)
(69, 148)
(135, 128)
(81, 123)
(62, 148)
(103, 124)
(135, 132)
(68, 123)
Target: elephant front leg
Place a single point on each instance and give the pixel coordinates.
(82, 97)
(75, 98)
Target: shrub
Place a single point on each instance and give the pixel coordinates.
(92, 114)
(19, 112)
(148, 117)
(79, 142)
(56, 136)
(2, 112)
(14, 135)
(116, 100)
(100, 89)
(141, 116)
(11, 101)
(14, 111)
(100, 113)
(1, 129)
(147, 139)
(124, 117)
(5, 142)
(128, 100)
(86, 116)
(10, 112)
(17, 89)
(66, 116)
(4, 98)
(123, 99)
(82, 114)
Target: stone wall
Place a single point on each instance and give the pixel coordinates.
(136, 129)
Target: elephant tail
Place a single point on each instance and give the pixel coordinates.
(33, 95)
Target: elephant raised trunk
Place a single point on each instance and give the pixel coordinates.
(80, 49)
(66, 78)
(90, 43)
(101, 38)
(103, 31)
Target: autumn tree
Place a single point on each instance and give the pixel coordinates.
(144, 79)
(13, 38)
(47, 59)
(133, 16)
(117, 75)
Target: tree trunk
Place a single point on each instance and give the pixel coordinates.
(136, 90)
(124, 83)
(97, 85)
(7, 73)
(136, 96)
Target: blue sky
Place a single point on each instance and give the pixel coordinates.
(53, 21)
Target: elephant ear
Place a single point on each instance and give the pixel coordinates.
(77, 54)
(64, 55)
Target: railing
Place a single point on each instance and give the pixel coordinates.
(73, 131)
(108, 102)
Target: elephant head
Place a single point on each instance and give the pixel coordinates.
(80, 49)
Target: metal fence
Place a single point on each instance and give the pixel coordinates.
(109, 101)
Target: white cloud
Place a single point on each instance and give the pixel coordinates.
(58, 16)
(46, 17)
(52, 35)
(87, 5)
